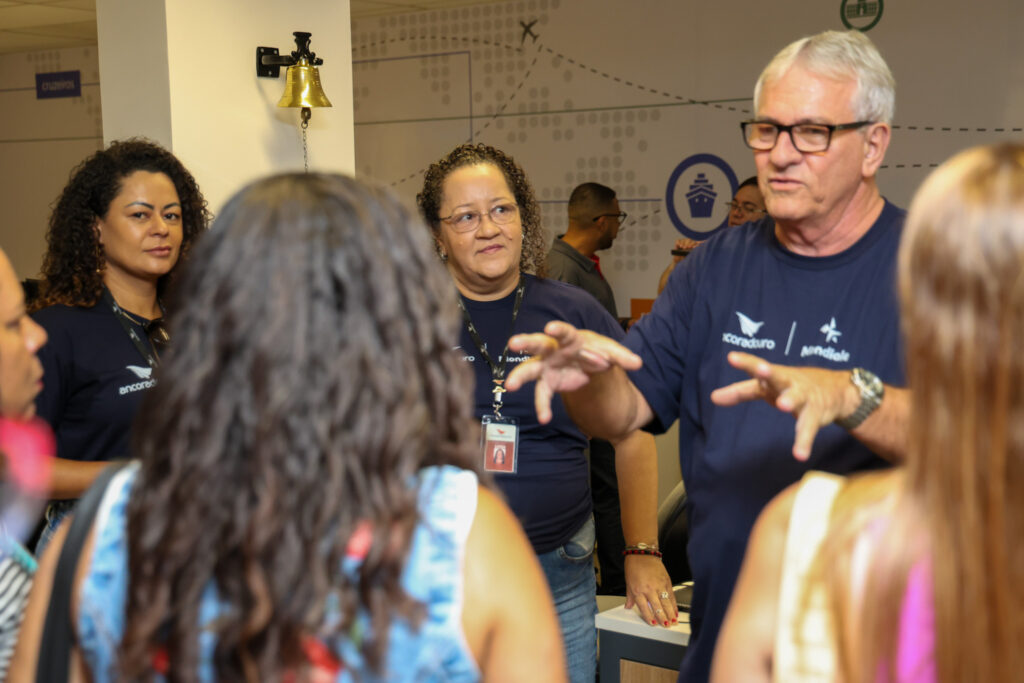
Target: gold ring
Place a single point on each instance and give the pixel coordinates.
(664, 595)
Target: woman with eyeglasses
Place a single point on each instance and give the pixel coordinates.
(117, 233)
(486, 227)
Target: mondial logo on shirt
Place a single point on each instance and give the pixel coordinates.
(832, 335)
(750, 340)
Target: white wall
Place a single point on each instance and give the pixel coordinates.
(184, 75)
(219, 118)
(40, 141)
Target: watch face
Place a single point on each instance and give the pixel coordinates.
(867, 381)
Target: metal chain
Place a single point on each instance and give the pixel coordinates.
(305, 149)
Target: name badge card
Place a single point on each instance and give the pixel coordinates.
(500, 443)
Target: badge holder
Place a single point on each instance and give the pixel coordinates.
(500, 443)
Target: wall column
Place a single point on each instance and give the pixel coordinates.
(183, 73)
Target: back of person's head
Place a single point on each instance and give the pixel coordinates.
(589, 200)
(962, 293)
(960, 514)
(312, 376)
(73, 264)
(839, 55)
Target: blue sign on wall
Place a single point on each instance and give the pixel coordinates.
(58, 84)
(698, 195)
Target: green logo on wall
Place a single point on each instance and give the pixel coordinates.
(861, 15)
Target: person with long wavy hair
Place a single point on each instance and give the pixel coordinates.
(307, 501)
(119, 230)
(485, 224)
(918, 573)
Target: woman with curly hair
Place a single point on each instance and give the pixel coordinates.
(486, 228)
(119, 229)
(307, 505)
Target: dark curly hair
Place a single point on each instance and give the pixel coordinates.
(73, 265)
(534, 255)
(310, 379)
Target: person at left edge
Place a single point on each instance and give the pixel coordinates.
(116, 236)
(486, 226)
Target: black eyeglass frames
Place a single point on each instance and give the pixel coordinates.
(807, 137)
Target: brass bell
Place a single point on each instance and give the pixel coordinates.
(302, 87)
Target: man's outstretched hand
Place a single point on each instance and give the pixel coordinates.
(814, 396)
(564, 359)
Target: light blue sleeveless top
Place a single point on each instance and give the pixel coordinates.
(437, 651)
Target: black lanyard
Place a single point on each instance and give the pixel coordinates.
(128, 324)
(497, 373)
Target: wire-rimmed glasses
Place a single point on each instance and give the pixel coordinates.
(468, 221)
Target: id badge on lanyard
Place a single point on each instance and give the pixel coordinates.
(500, 436)
(499, 433)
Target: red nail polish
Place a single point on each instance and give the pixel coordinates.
(666, 623)
(653, 622)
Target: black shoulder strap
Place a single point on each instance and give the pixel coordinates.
(58, 631)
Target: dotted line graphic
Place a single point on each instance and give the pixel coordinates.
(640, 219)
(909, 166)
(948, 129)
(474, 41)
(493, 117)
(500, 111)
(642, 88)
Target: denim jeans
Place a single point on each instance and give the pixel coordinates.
(570, 574)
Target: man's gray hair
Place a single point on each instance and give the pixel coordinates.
(840, 54)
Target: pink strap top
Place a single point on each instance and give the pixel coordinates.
(915, 661)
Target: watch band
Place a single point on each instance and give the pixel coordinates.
(871, 393)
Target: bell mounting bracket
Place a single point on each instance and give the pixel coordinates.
(269, 61)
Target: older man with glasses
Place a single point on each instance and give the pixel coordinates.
(810, 285)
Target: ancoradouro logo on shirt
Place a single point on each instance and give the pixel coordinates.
(750, 340)
(143, 373)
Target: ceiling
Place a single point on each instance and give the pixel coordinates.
(32, 25)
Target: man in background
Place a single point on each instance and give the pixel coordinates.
(594, 222)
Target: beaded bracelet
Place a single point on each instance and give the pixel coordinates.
(642, 549)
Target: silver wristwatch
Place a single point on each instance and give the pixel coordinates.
(871, 392)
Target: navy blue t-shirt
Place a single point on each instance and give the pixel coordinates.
(741, 290)
(94, 379)
(550, 492)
